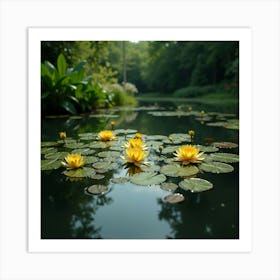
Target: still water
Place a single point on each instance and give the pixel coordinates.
(130, 211)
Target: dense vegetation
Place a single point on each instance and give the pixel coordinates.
(81, 76)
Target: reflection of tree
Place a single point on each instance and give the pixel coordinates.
(66, 211)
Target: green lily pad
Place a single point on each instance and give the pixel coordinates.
(195, 185)
(169, 149)
(174, 198)
(98, 145)
(97, 176)
(156, 137)
(147, 178)
(224, 145)
(224, 157)
(50, 164)
(169, 186)
(109, 154)
(150, 168)
(105, 165)
(120, 180)
(59, 155)
(80, 172)
(74, 145)
(97, 189)
(48, 144)
(84, 151)
(216, 167)
(90, 159)
(174, 170)
(217, 124)
(124, 131)
(207, 149)
(48, 150)
(232, 124)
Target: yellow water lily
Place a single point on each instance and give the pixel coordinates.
(138, 135)
(62, 135)
(191, 133)
(135, 143)
(74, 161)
(106, 135)
(188, 154)
(135, 156)
(113, 124)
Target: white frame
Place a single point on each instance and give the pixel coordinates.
(243, 35)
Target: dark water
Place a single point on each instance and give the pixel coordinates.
(130, 211)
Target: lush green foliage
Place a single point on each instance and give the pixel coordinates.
(69, 90)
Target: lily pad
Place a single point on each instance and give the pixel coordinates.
(47, 164)
(120, 180)
(224, 157)
(207, 149)
(109, 154)
(174, 198)
(97, 176)
(124, 131)
(156, 137)
(97, 189)
(147, 178)
(232, 124)
(150, 168)
(48, 150)
(74, 145)
(224, 145)
(169, 186)
(48, 144)
(195, 185)
(98, 145)
(59, 155)
(84, 151)
(105, 165)
(169, 149)
(216, 167)
(174, 170)
(90, 159)
(80, 172)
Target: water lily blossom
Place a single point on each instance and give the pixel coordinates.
(113, 124)
(135, 156)
(138, 135)
(188, 154)
(135, 143)
(73, 161)
(191, 133)
(62, 135)
(106, 135)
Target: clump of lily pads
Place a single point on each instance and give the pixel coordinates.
(170, 161)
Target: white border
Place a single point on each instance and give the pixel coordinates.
(243, 35)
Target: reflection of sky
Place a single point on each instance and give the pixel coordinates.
(132, 216)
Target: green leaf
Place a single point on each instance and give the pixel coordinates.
(109, 154)
(147, 178)
(174, 170)
(195, 185)
(207, 149)
(79, 66)
(225, 145)
(174, 198)
(80, 172)
(58, 155)
(216, 167)
(61, 65)
(97, 189)
(120, 180)
(224, 157)
(68, 106)
(169, 186)
(50, 164)
(90, 159)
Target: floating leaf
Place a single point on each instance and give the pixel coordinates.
(174, 198)
(169, 186)
(124, 131)
(175, 170)
(97, 189)
(98, 145)
(80, 172)
(147, 178)
(74, 145)
(59, 155)
(169, 149)
(97, 176)
(47, 164)
(150, 168)
(232, 124)
(109, 154)
(48, 150)
(120, 180)
(195, 185)
(90, 159)
(156, 137)
(225, 145)
(218, 124)
(207, 149)
(224, 157)
(48, 144)
(216, 167)
(84, 151)
(103, 116)
(105, 165)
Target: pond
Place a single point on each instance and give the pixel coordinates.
(126, 210)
